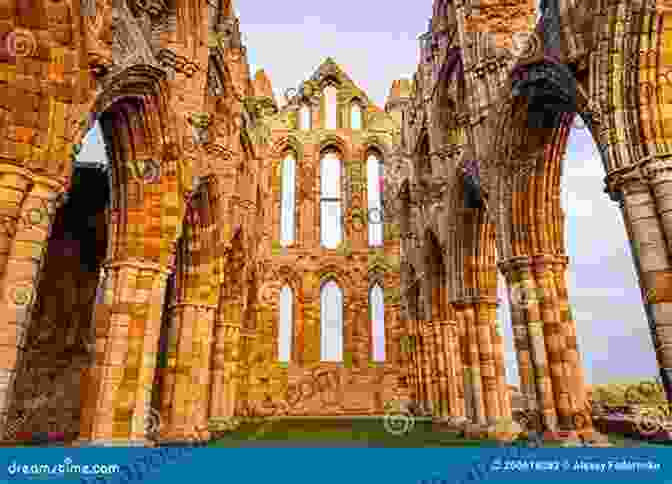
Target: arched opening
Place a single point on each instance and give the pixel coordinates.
(288, 201)
(330, 111)
(356, 115)
(377, 316)
(305, 121)
(374, 178)
(331, 227)
(331, 322)
(285, 327)
(60, 337)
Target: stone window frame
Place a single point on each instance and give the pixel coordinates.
(285, 154)
(376, 278)
(376, 151)
(359, 103)
(326, 83)
(331, 148)
(329, 278)
(287, 276)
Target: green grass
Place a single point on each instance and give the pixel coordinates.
(365, 432)
(369, 432)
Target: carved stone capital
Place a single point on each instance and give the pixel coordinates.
(176, 63)
(515, 264)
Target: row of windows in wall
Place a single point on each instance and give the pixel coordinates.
(331, 323)
(331, 229)
(330, 115)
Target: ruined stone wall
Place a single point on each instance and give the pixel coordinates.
(308, 385)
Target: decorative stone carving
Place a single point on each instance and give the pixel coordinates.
(199, 123)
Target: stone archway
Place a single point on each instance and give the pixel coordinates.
(60, 337)
(521, 165)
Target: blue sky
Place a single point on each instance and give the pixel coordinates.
(376, 42)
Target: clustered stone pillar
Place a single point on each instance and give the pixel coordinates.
(545, 338)
(486, 320)
(554, 338)
(645, 210)
(184, 412)
(519, 270)
(226, 358)
(521, 338)
(418, 360)
(117, 390)
(466, 317)
(431, 365)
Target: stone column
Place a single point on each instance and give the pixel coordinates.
(420, 361)
(451, 356)
(464, 374)
(226, 358)
(27, 206)
(572, 369)
(429, 342)
(549, 305)
(500, 370)
(658, 170)
(410, 352)
(526, 314)
(310, 344)
(189, 350)
(521, 337)
(443, 405)
(486, 318)
(128, 322)
(475, 379)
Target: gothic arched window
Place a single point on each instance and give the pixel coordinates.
(287, 204)
(374, 179)
(331, 322)
(330, 107)
(355, 116)
(331, 229)
(285, 326)
(305, 122)
(377, 315)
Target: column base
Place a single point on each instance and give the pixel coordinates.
(182, 438)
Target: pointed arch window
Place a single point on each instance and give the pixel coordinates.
(355, 116)
(331, 322)
(287, 204)
(377, 315)
(330, 107)
(305, 122)
(374, 179)
(331, 230)
(286, 324)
